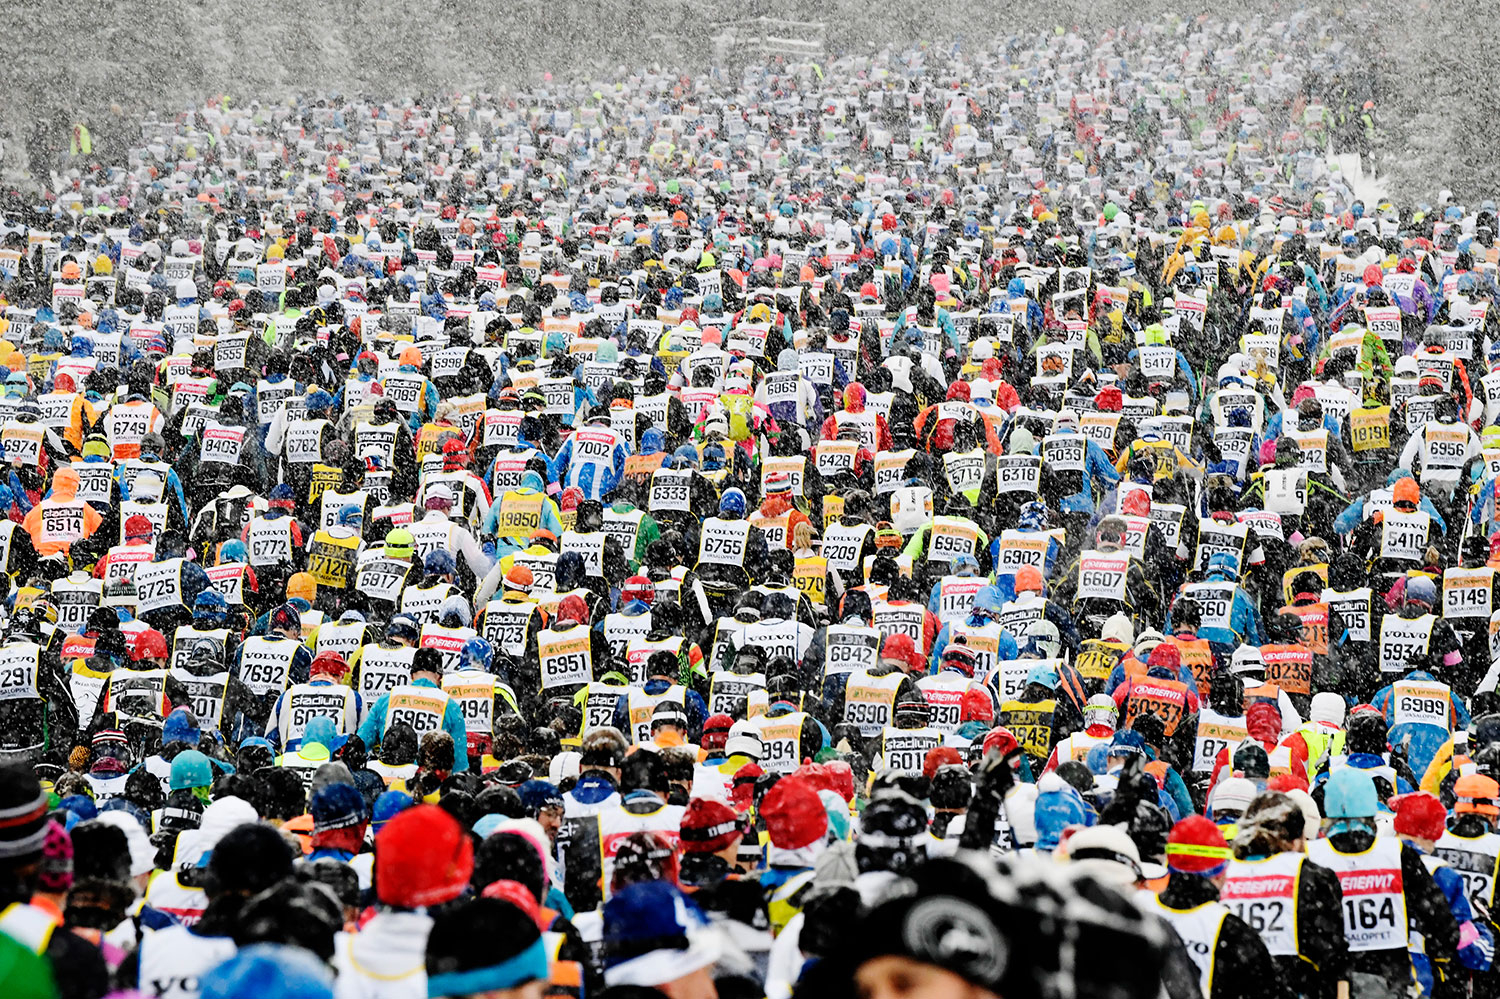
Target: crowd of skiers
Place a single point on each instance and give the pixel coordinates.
(994, 523)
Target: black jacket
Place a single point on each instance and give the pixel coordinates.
(1242, 969)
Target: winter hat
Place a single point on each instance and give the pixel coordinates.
(80, 807)
(321, 731)
(248, 859)
(939, 756)
(1058, 806)
(512, 855)
(1233, 795)
(1263, 722)
(539, 794)
(55, 872)
(113, 847)
(1106, 852)
(1328, 707)
(709, 826)
(1118, 629)
(1164, 656)
(1476, 793)
(483, 945)
(743, 740)
(1196, 846)
(183, 811)
(1310, 817)
(793, 814)
(1421, 815)
(838, 814)
(742, 793)
(337, 806)
(422, 857)
(1146, 642)
(1350, 794)
(336, 772)
(892, 833)
(952, 787)
(716, 732)
(23, 816)
(190, 769)
(654, 934)
(269, 971)
(181, 726)
(949, 914)
(1251, 761)
(308, 912)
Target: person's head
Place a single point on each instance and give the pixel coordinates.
(1272, 823)
(427, 664)
(1349, 802)
(1196, 848)
(286, 621)
(266, 970)
(1108, 854)
(655, 937)
(710, 826)
(486, 947)
(423, 857)
(1478, 795)
(603, 749)
(1406, 495)
(1420, 819)
(248, 860)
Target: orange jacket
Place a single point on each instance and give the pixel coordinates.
(64, 491)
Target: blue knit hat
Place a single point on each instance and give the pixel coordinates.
(337, 806)
(181, 726)
(269, 971)
(654, 934)
(1058, 806)
(538, 794)
(322, 731)
(388, 806)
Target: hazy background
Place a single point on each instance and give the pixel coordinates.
(1434, 63)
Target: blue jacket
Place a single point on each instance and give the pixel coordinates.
(1422, 741)
(453, 724)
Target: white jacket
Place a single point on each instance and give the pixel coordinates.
(385, 960)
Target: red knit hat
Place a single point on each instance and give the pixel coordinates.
(841, 778)
(1421, 815)
(816, 775)
(794, 814)
(716, 731)
(1263, 722)
(572, 608)
(1167, 656)
(708, 826)
(328, 662)
(1196, 846)
(516, 894)
(900, 648)
(743, 794)
(1287, 782)
(939, 756)
(1109, 399)
(422, 857)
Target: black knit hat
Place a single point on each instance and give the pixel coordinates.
(101, 852)
(483, 944)
(249, 859)
(298, 913)
(1003, 932)
(23, 816)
